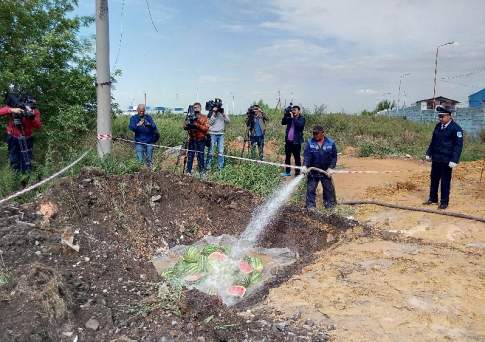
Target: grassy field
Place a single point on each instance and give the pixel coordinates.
(368, 136)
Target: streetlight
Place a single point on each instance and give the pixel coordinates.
(436, 68)
(399, 91)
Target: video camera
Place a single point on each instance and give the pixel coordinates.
(26, 102)
(211, 104)
(190, 118)
(288, 109)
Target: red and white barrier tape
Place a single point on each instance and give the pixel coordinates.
(42, 182)
(178, 148)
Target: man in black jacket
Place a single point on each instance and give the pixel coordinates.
(444, 152)
(295, 123)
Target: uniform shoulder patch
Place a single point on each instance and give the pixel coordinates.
(459, 134)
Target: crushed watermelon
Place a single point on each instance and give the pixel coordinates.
(217, 256)
(237, 291)
(245, 267)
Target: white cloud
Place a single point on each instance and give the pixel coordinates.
(383, 23)
(367, 92)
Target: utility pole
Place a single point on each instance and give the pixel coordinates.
(103, 79)
(399, 90)
(436, 69)
(145, 100)
(278, 104)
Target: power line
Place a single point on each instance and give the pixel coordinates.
(150, 13)
(121, 35)
(467, 74)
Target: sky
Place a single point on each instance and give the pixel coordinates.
(346, 54)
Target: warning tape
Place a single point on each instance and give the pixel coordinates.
(42, 182)
(179, 148)
(105, 136)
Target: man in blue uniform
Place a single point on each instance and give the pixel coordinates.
(320, 152)
(444, 152)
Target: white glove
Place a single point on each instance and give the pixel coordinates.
(304, 170)
(452, 165)
(428, 158)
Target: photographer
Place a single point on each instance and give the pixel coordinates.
(295, 123)
(146, 133)
(256, 124)
(197, 126)
(217, 123)
(21, 123)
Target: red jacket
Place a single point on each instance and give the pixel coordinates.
(28, 124)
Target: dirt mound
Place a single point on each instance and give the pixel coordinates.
(109, 288)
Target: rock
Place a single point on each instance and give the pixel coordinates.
(480, 245)
(233, 205)
(156, 198)
(123, 338)
(309, 322)
(201, 339)
(92, 324)
(281, 326)
(67, 333)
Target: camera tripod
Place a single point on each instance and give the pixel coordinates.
(25, 151)
(246, 142)
(183, 152)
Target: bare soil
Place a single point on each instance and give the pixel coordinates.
(396, 276)
(413, 277)
(109, 290)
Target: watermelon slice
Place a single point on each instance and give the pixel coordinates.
(245, 267)
(237, 291)
(194, 277)
(217, 256)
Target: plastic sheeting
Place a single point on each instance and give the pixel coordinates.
(219, 279)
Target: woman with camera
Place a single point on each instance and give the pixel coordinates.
(20, 125)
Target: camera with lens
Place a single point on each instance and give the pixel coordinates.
(211, 104)
(26, 102)
(288, 110)
(190, 118)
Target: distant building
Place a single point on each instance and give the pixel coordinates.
(440, 100)
(476, 100)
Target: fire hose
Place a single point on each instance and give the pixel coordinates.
(396, 206)
(329, 175)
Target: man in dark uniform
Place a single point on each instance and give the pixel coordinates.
(320, 152)
(444, 152)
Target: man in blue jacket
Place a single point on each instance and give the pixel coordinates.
(295, 123)
(146, 133)
(444, 152)
(320, 152)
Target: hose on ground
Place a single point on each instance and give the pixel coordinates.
(432, 211)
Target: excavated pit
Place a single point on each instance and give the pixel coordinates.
(119, 223)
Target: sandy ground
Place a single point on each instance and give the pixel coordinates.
(424, 282)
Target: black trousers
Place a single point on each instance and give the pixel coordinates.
(20, 153)
(329, 198)
(440, 172)
(295, 150)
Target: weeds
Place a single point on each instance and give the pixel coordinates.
(4, 273)
(260, 179)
